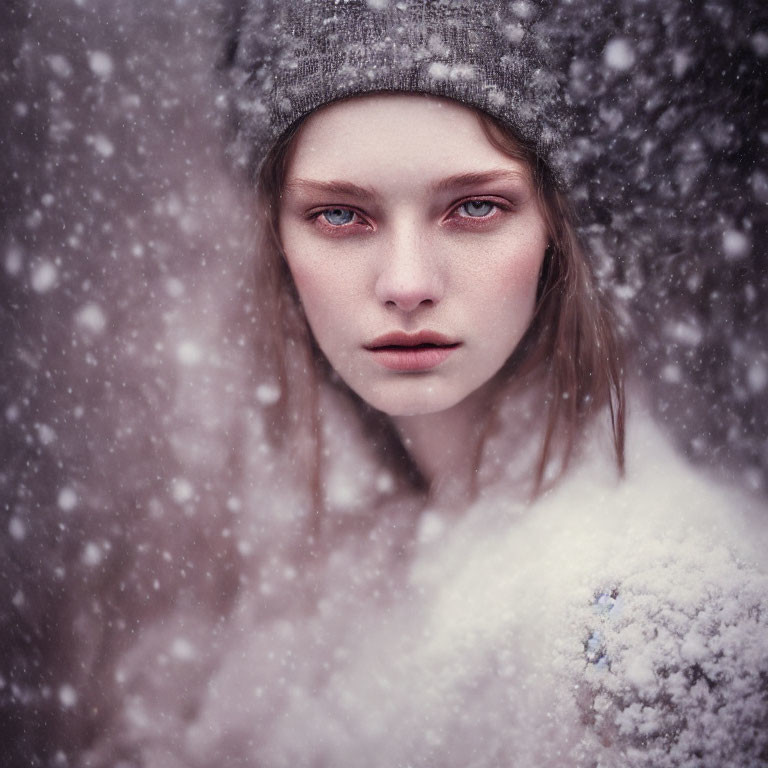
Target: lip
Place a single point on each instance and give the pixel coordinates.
(422, 351)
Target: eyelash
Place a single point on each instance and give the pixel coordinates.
(498, 206)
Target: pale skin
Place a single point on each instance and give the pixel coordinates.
(399, 216)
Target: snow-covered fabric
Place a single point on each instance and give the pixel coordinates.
(613, 623)
(290, 57)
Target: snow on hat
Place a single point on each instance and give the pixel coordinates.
(289, 57)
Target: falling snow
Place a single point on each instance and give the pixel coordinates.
(13, 261)
(91, 318)
(619, 55)
(17, 529)
(736, 244)
(268, 394)
(67, 499)
(182, 490)
(189, 353)
(101, 64)
(67, 696)
(101, 145)
(92, 554)
(44, 276)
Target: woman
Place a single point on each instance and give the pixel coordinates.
(459, 576)
(378, 282)
(569, 314)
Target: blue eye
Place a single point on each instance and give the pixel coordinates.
(338, 217)
(476, 209)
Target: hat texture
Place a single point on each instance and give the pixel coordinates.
(290, 58)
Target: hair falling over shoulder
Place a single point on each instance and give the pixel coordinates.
(573, 339)
(572, 346)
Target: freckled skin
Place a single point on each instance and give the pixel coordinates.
(399, 253)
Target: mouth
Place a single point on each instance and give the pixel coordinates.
(413, 352)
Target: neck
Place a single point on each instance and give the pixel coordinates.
(445, 447)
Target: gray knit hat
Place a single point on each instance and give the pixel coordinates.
(289, 57)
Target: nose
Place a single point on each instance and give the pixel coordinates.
(409, 276)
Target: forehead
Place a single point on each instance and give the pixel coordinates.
(392, 136)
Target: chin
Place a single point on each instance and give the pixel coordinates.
(419, 403)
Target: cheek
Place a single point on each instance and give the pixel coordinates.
(305, 268)
(325, 293)
(511, 282)
(313, 289)
(521, 278)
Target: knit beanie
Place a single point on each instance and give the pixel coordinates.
(289, 57)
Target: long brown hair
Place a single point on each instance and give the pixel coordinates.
(572, 341)
(573, 338)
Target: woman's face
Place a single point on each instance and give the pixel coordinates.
(415, 246)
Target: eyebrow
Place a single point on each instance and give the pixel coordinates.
(332, 188)
(457, 181)
(473, 179)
